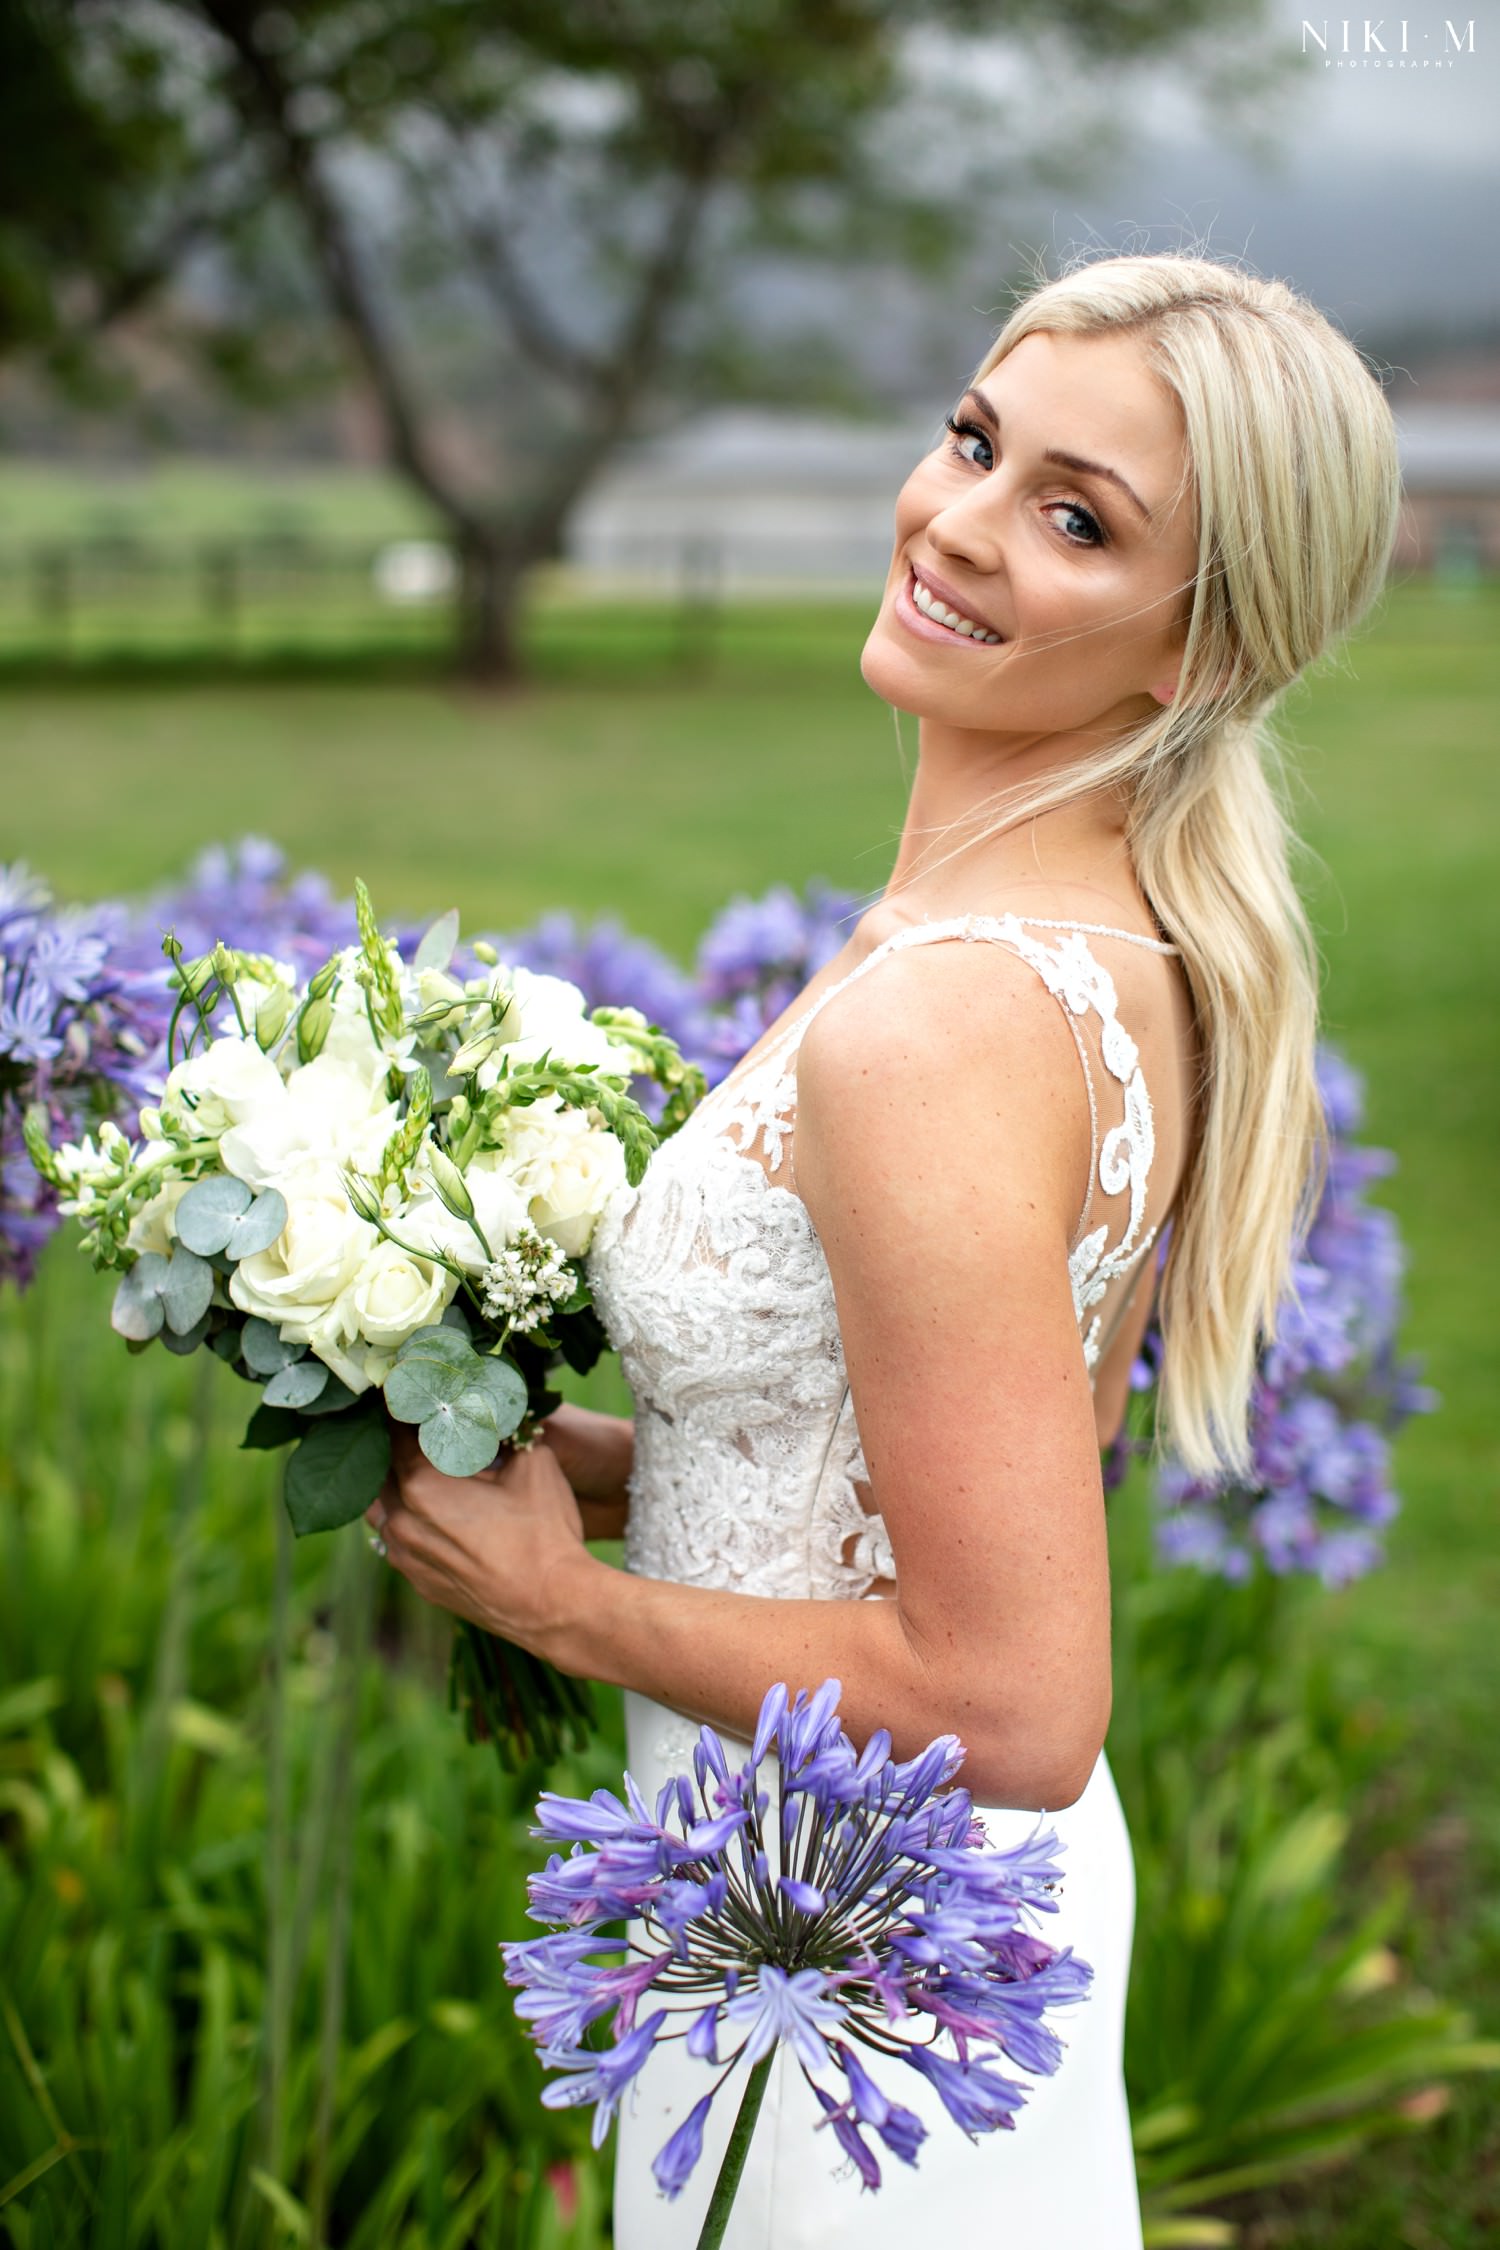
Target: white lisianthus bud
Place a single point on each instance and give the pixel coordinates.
(499, 1211)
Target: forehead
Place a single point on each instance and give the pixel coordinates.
(1092, 395)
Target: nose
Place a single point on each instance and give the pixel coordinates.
(969, 530)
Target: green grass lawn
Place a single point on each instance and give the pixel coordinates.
(624, 782)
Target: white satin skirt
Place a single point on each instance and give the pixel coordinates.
(1064, 2179)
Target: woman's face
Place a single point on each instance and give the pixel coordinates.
(1054, 521)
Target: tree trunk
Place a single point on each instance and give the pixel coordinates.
(491, 576)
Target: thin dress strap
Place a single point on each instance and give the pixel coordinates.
(762, 1098)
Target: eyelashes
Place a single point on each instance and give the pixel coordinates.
(960, 430)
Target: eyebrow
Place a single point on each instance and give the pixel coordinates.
(1061, 460)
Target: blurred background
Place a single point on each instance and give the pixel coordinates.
(456, 442)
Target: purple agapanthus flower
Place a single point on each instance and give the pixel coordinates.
(86, 999)
(1331, 1388)
(754, 960)
(831, 1901)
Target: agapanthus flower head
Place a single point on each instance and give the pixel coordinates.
(832, 1901)
(1331, 1388)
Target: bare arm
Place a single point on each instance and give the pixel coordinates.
(941, 1138)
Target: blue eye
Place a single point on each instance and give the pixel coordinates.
(1092, 532)
(962, 434)
(961, 430)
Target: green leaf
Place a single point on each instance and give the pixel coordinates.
(138, 1310)
(204, 1219)
(507, 1390)
(332, 1398)
(258, 1227)
(433, 1369)
(265, 1353)
(187, 1340)
(297, 1385)
(270, 1426)
(187, 1290)
(464, 1435)
(337, 1471)
(436, 948)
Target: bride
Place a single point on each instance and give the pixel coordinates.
(878, 1302)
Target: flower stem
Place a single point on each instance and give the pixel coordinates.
(721, 2202)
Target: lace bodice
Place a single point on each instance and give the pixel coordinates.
(712, 1284)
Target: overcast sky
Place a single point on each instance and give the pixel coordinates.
(1385, 202)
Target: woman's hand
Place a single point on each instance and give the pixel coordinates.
(595, 1453)
(503, 1549)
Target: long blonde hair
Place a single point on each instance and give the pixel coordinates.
(1295, 477)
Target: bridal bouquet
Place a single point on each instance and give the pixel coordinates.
(370, 1195)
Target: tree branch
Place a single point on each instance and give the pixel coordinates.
(344, 278)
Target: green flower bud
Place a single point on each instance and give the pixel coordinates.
(362, 1198)
(313, 1026)
(271, 1016)
(483, 951)
(450, 1183)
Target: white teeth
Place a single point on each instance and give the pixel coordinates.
(965, 627)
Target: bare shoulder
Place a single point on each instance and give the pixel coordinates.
(945, 1062)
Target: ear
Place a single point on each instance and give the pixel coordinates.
(1164, 690)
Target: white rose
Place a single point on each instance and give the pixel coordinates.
(391, 1296)
(358, 1366)
(570, 1187)
(230, 1082)
(327, 1113)
(316, 1255)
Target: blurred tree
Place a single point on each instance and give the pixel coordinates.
(517, 214)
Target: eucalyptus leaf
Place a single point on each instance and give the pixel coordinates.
(225, 1344)
(265, 1353)
(464, 1436)
(332, 1398)
(257, 1228)
(185, 1340)
(337, 1470)
(436, 1342)
(416, 1388)
(270, 1426)
(507, 1392)
(204, 1219)
(436, 948)
(456, 1318)
(433, 1367)
(187, 1291)
(297, 1385)
(138, 1310)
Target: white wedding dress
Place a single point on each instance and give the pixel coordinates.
(748, 1475)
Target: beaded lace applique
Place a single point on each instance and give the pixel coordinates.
(712, 1284)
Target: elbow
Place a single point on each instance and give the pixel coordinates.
(1037, 1763)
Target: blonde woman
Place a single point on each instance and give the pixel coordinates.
(879, 1301)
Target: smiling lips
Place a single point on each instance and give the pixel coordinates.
(937, 608)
